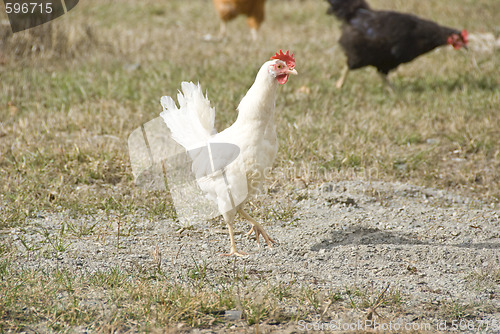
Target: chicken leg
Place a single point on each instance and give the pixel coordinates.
(258, 229)
(222, 30)
(253, 32)
(386, 81)
(340, 81)
(229, 218)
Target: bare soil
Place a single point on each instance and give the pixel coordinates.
(439, 251)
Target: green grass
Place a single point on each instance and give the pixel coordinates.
(67, 108)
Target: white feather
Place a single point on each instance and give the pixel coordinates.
(192, 123)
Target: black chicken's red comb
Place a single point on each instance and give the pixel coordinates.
(465, 36)
(286, 57)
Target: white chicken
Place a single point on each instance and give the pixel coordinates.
(253, 133)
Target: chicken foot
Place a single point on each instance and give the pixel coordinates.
(229, 218)
(258, 229)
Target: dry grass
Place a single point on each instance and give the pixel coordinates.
(72, 91)
(113, 300)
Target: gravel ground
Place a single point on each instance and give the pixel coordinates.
(427, 244)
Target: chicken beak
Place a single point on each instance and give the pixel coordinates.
(294, 71)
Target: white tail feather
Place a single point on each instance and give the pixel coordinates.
(192, 124)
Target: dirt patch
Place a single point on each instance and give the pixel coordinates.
(439, 252)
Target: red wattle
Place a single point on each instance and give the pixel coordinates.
(282, 78)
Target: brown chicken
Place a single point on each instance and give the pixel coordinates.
(229, 9)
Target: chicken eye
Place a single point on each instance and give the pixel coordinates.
(280, 66)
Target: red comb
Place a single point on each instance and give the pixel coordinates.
(286, 57)
(465, 36)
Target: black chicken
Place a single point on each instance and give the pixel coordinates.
(385, 39)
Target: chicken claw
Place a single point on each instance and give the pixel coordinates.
(258, 229)
(249, 233)
(231, 237)
(234, 252)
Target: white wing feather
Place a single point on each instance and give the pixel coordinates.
(192, 124)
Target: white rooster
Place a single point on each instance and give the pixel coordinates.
(253, 133)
